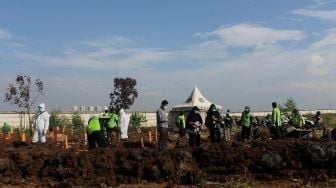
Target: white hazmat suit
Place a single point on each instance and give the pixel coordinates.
(124, 120)
(40, 124)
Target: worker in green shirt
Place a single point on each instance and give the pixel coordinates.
(297, 119)
(181, 123)
(95, 134)
(276, 120)
(113, 126)
(246, 123)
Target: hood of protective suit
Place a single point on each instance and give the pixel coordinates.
(42, 106)
(121, 112)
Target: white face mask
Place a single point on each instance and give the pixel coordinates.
(165, 107)
(196, 112)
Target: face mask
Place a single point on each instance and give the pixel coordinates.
(214, 109)
(165, 107)
(196, 112)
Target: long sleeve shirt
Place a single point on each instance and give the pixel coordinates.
(276, 116)
(161, 118)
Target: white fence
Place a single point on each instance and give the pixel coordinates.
(18, 119)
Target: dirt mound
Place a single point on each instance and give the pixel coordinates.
(261, 133)
(125, 162)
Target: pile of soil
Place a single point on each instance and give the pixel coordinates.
(126, 162)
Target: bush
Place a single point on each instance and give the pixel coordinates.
(77, 120)
(137, 118)
(58, 120)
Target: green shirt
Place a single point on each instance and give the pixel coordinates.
(276, 116)
(298, 120)
(246, 119)
(113, 120)
(94, 125)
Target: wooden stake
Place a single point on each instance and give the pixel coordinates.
(11, 130)
(62, 130)
(85, 135)
(142, 143)
(85, 139)
(329, 134)
(52, 135)
(71, 130)
(23, 138)
(65, 141)
(150, 136)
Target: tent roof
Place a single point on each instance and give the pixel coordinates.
(196, 99)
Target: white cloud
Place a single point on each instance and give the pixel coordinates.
(253, 77)
(316, 66)
(250, 35)
(319, 14)
(4, 34)
(329, 40)
(323, 2)
(101, 58)
(111, 41)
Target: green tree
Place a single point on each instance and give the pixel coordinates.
(124, 93)
(289, 105)
(57, 119)
(77, 120)
(136, 119)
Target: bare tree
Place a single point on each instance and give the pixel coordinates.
(20, 93)
(124, 93)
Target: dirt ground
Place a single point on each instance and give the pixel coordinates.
(259, 163)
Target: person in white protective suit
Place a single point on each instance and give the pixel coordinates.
(123, 123)
(40, 124)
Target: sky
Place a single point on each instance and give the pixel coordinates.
(238, 52)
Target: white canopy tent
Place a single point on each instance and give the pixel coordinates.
(196, 99)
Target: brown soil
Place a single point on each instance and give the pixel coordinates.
(126, 163)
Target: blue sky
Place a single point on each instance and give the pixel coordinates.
(239, 52)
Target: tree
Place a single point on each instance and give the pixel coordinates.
(20, 93)
(77, 120)
(289, 105)
(136, 120)
(124, 93)
(57, 119)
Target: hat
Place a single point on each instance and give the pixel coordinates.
(164, 102)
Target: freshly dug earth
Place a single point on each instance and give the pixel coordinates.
(125, 162)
